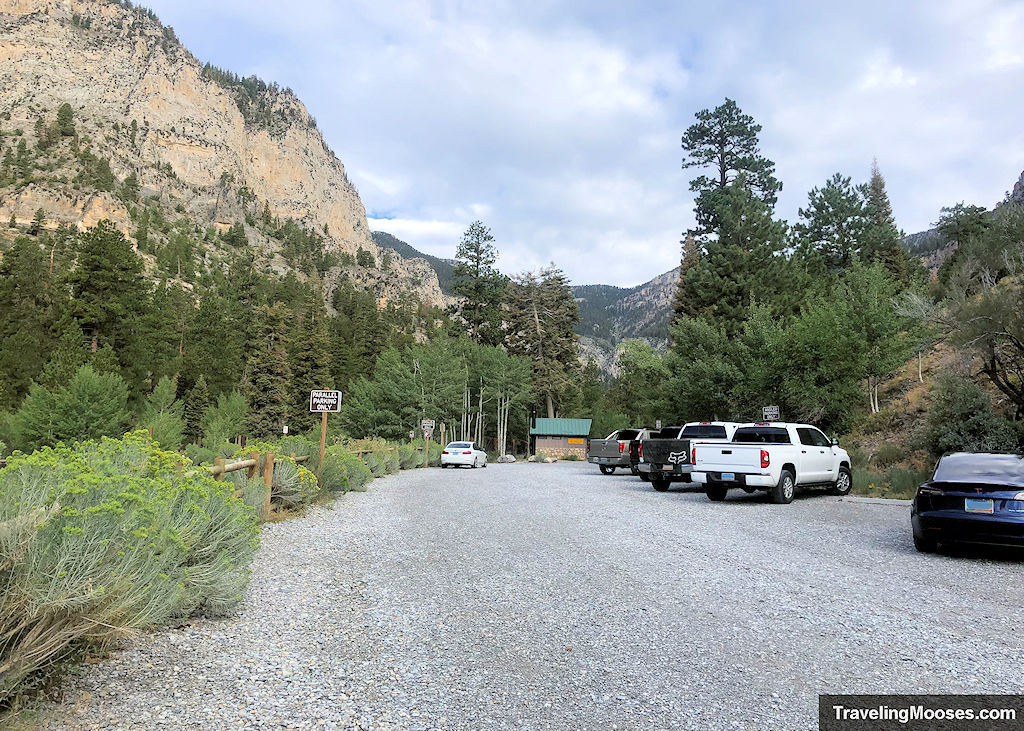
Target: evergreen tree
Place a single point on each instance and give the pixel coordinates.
(90, 406)
(480, 285)
(226, 419)
(542, 314)
(164, 414)
(309, 359)
(110, 297)
(70, 354)
(688, 259)
(726, 140)
(740, 265)
(66, 120)
(27, 313)
(38, 222)
(638, 390)
(267, 375)
(881, 240)
(196, 404)
(834, 222)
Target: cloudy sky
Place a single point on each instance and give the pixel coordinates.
(558, 123)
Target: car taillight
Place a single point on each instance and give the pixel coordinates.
(640, 450)
(693, 456)
(467, 453)
(765, 460)
(622, 446)
(445, 452)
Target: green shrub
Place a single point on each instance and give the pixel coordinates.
(293, 485)
(299, 446)
(375, 463)
(961, 418)
(895, 483)
(199, 455)
(105, 538)
(226, 419)
(334, 475)
(392, 461)
(359, 475)
(884, 420)
(888, 454)
(409, 457)
(164, 414)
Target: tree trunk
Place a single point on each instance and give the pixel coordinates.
(920, 374)
(551, 406)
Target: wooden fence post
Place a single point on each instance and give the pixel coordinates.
(268, 480)
(219, 462)
(251, 472)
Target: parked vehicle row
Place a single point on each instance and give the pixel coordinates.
(971, 497)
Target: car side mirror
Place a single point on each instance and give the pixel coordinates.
(835, 441)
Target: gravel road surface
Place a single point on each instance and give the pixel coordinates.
(534, 596)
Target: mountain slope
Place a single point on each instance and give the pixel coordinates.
(200, 142)
(444, 268)
(609, 315)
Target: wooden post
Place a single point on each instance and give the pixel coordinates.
(426, 449)
(219, 462)
(150, 432)
(442, 442)
(323, 446)
(251, 472)
(268, 480)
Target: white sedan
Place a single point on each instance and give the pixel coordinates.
(466, 454)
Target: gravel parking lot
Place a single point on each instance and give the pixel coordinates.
(536, 596)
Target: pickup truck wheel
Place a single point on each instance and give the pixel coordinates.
(716, 493)
(782, 493)
(659, 483)
(606, 470)
(844, 483)
(645, 476)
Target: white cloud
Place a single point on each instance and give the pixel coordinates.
(558, 124)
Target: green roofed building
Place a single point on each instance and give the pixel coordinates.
(560, 437)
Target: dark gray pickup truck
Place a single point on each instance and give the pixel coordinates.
(612, 451)
(666, 457)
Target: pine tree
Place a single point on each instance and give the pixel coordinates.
(480, 285)
(542, 314)
(66, 120)
(688, 259)
(164, 414)
(740, 265)
(267, 375)
(196, 404)
(309, 359)
(881, 237)
(27, 313)
(38, 222)
(835, 222)
(70, 354)
(725, 139)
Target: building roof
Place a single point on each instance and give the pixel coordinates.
(562, 427)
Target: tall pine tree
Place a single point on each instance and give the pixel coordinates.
(479, 284)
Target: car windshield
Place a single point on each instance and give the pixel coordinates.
(460, 445)
(762, 434)
(992, 469)
(703, 431)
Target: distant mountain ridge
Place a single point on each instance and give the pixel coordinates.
(445, 268)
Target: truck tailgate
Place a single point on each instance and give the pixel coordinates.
(728, 457)
(667, 451)
(606, 448)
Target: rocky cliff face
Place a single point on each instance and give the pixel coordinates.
(205, 144)
(610, 315)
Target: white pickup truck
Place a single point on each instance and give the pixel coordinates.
(775, 457)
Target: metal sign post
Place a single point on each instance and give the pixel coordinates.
(324, 403)
(428, 428)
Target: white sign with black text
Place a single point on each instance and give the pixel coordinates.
(325, 401)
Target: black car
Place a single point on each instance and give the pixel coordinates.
(971, 498)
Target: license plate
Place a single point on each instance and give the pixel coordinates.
(668, 468)
(728, 476)
(976, 505)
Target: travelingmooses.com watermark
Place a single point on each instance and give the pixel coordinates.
(912, 712)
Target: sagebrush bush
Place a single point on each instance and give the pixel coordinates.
(392, 461)
(409, 457)
(376, 464)
(334, 474)
(961, 418)
(359, 475)
(105, 538)
(293, 485)
(888, 454)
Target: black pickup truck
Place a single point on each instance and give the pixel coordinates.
(665, 457)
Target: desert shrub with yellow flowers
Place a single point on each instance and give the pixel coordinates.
(104, 538)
